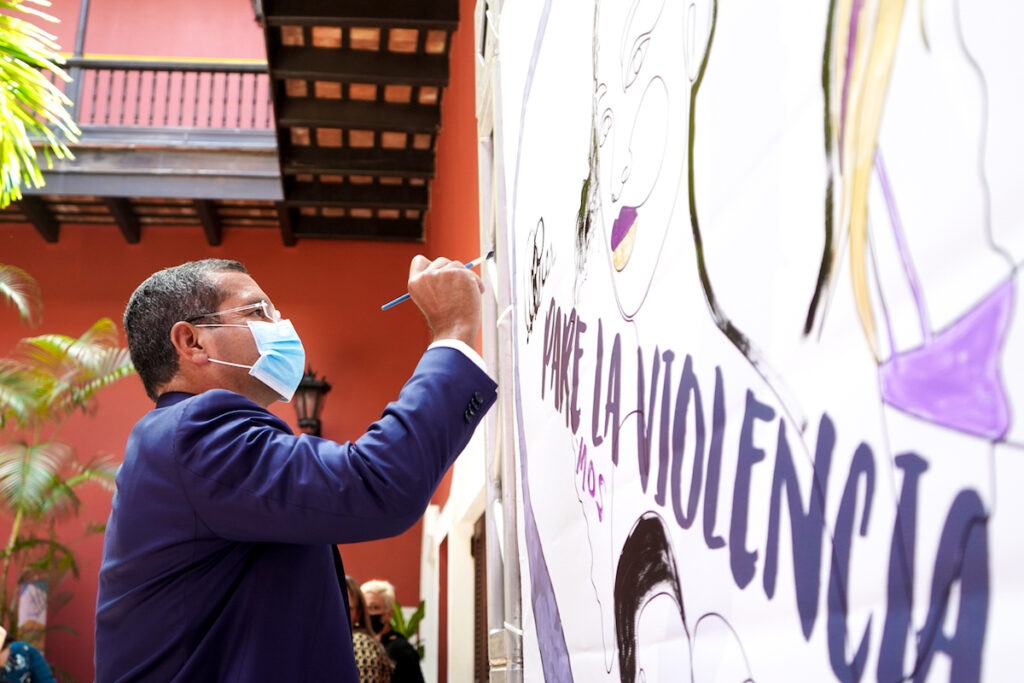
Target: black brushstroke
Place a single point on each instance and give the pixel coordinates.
(825, 272)
(732, 333)
(646, 568)
(737, 337)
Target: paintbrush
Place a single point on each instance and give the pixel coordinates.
(405, 297)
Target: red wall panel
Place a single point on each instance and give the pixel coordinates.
(224, 29)
(452, 224)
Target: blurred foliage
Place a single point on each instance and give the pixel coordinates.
(32, 108)
(410, 629)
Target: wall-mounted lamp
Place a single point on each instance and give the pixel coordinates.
(309, 401)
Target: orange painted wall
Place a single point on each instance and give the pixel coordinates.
(452, 230)
(223, 29)
(332, 291)
(452, 225)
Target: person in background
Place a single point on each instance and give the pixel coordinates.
(220, 559)
(22, 662)
(380, 601)
(371, 658)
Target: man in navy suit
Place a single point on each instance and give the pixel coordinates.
(219, 562)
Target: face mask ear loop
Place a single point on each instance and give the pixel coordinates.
(224, 362)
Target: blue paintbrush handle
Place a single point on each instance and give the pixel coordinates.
(405, 297)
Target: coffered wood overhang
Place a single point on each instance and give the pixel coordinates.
(356, 88)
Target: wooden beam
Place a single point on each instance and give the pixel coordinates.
(147, 167)
(411, 118)
(393, 13)
(401, 163)
(359, 67)
(348, 195)
(284, 217)
(121, 209)
(383, 229)
(40, 216)
(206, 209)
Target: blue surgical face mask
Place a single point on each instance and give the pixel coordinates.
(282, 359)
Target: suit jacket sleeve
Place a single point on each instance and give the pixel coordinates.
(249, 478)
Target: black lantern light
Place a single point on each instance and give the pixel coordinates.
(309, 401)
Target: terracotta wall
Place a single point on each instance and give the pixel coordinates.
(225, 29)
(332, 291)
(452, 231)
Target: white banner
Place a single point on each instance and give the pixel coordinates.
(768, 337)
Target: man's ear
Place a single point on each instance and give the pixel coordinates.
(185, 339)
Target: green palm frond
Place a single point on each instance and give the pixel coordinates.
(51, 556)
(70, 371)
(19, 289)
(410, 629)
(86, 352)
(30, 105)
(115, 364)
(101, 470)
(18, 393)
(27, 473)
(61, 500)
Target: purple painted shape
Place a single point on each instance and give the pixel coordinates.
(953, 379)
(622, 224)
(850, 49)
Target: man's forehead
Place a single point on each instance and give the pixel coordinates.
(238, 287)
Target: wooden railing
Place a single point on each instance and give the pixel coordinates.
(175, 94)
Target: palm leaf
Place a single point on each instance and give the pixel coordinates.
(61, 500)
(54, 350)
(413, 625)
(102, 469)
(407, 628)
(55, 559)
(115, 364)
(70, 371)
(30, 105)
(20, 290)
(18, 393)
(27, 472)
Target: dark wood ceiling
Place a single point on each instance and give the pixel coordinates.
(357, 88)
(131, 215)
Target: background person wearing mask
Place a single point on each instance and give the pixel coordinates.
(380, 601)
(371, 658)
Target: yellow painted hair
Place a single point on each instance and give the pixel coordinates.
(854, 130)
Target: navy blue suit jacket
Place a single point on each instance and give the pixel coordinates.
(218, 562)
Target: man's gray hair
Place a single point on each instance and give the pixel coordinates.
(164, 298)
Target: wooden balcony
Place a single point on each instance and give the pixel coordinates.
(332, 138)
